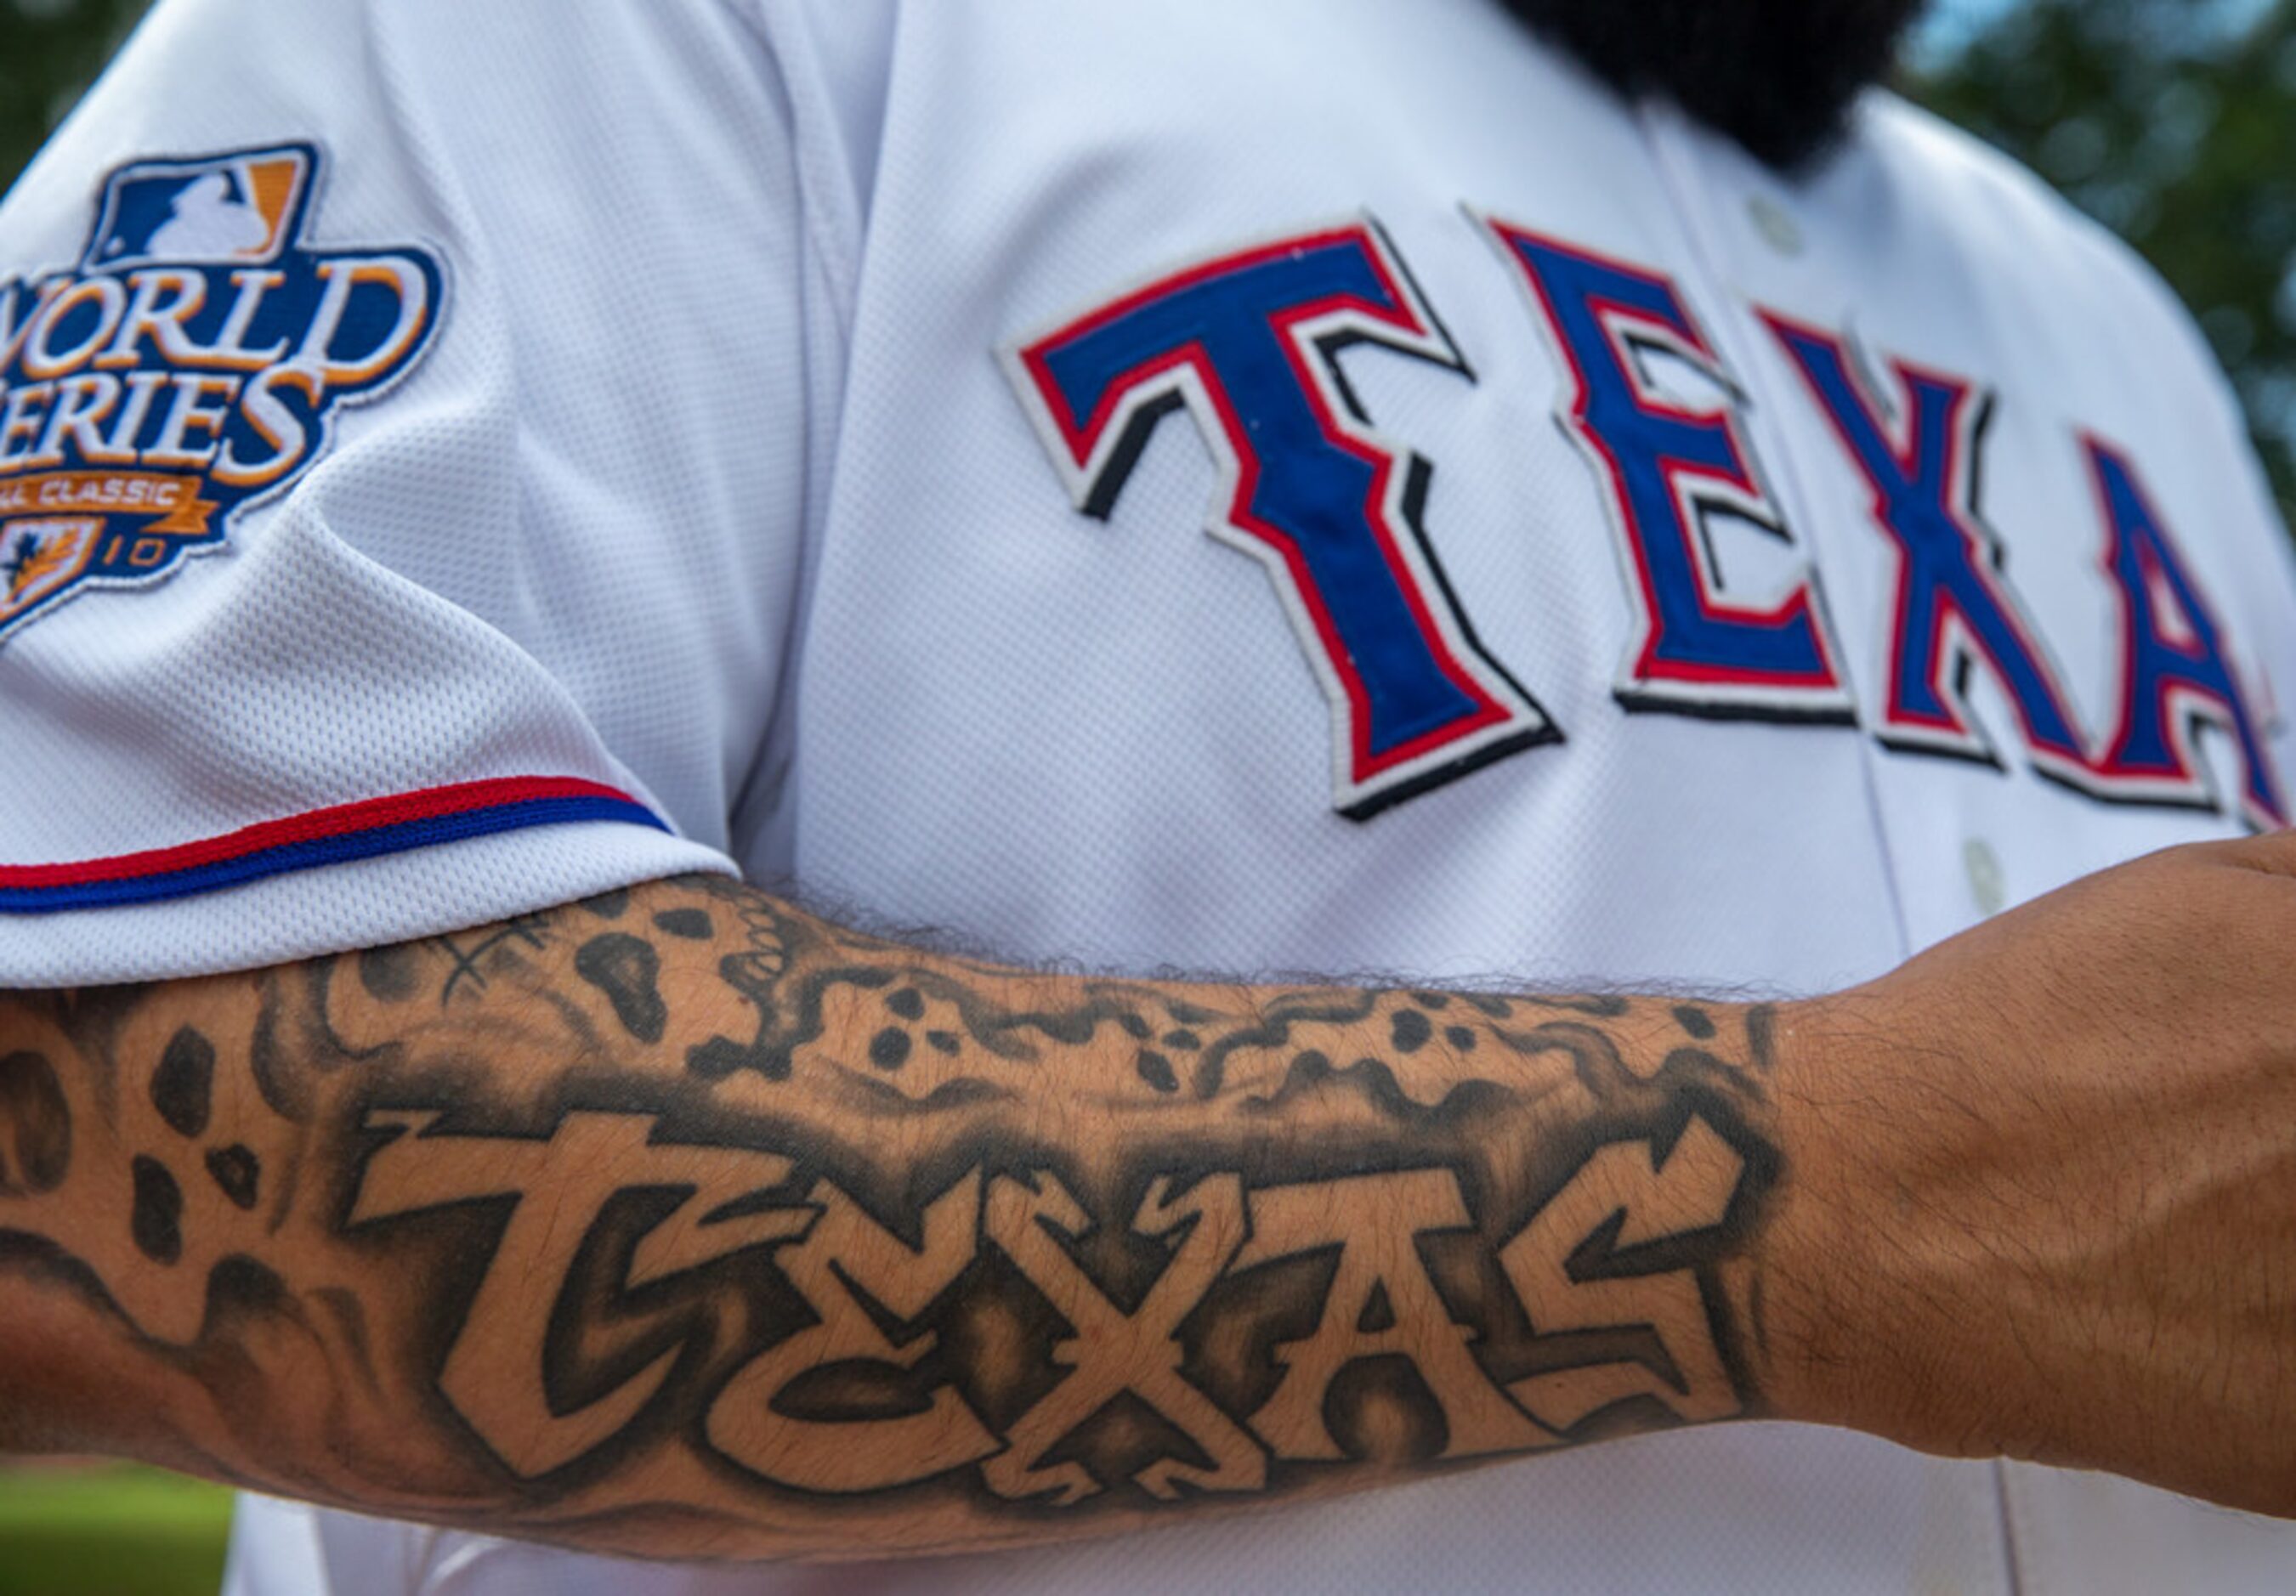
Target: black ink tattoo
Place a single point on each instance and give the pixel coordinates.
(156, 1220)
(35, 1126)
(607, 906)
(626, 969)
(918, 1231)
(238, 1175)
(389, 973)
(182, 1086)
(1409, 1030)
(1157, 1070)
(889, 1049)
(692, 924)
(469, 963)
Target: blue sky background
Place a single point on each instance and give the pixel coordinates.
(1950, 23)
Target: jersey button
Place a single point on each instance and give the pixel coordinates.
(1777, 227)
(1988, 889)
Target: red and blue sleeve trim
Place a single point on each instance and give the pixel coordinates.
(336, 836)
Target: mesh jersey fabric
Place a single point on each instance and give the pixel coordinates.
(765, 540)
(563, 548)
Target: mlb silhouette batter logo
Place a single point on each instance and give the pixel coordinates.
(233, 211)
(189, 366)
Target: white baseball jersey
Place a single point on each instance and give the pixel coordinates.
(458, 455)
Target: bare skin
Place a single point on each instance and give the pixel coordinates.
(2069, 1141)
(685, 1224)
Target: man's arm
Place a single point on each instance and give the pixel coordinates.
(682, 1222)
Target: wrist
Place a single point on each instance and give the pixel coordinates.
(1838, 1340)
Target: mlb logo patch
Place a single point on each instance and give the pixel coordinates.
(191, 365)
(227, 210)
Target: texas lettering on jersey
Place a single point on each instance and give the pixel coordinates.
(1245, 343)
(185, 368)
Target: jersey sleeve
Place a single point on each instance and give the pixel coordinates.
(403, 448)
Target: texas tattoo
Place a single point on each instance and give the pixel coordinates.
(683, 1223)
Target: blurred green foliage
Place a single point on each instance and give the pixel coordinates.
(109, 1531)
(49, 51)
(2172, 120)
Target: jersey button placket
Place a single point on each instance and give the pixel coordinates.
(1700, 194)
(1700, 197)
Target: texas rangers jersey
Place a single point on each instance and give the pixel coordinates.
(1305, 484)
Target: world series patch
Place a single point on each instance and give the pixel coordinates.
(186, 368)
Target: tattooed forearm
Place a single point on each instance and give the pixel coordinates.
(679, 1222)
